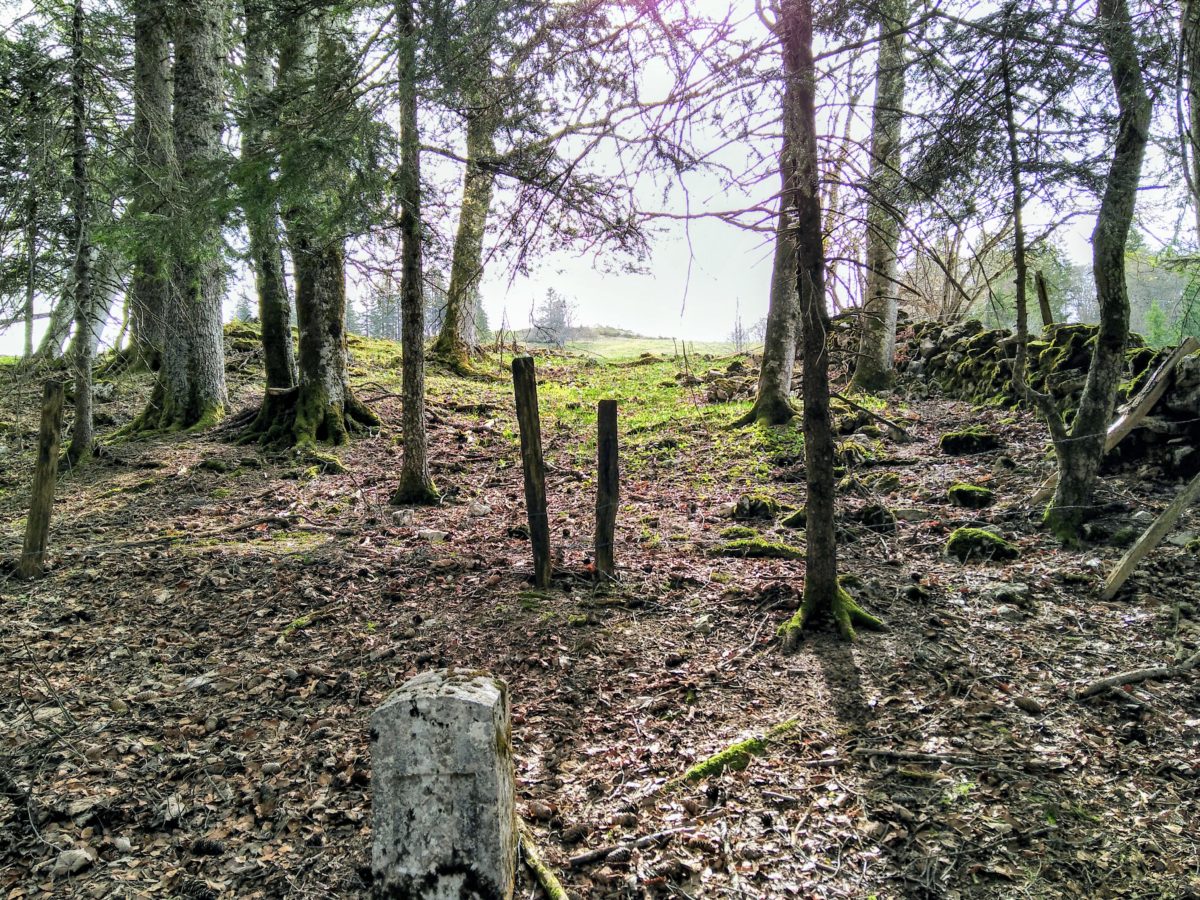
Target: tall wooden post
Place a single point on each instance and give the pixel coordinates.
(608, 487)
(1043, 295)
(37, 526)
(525, 389)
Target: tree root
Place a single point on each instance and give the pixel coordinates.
(295, 418)
(1160, 673)
(845, 612)
(541, 872)
(769, 409)
(736, 756)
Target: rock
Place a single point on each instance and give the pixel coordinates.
(443, 810)
(272, 768)
(977, 543)
(1143, 517)
(970, 496)
(1181, 538)
(703, 625)
(910, 514)
(1015, 594)
(1009, 613)
(71, 861)
(478, 509)
(755, 506)
(433, 535)
(122, 844)
(726, 510)
(404, 517)
(974, 439)
(104, 391)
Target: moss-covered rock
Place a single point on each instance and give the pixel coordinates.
(973, 439)
(736, 532)
(755, 506)
(877, 518)
(971, 496)
(758, 548)
(797, 519)
(882, 482)
(979, 544)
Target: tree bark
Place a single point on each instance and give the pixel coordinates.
(190, 391)
(456, 341)
(153, 160)
(823, 596)
(1081, 455)
(83, 427)
(875, 366)
(416, 485)
(1190, 40)
(259, 204)
(772, 403)
(321, 407)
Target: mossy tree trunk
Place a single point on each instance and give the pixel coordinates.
(83, 427)
(456, 341)
(772, 402)
(190, 392)
(1081, 455)
(875, 366)
(321, 407)
(259, 203)
(416, 485)
(822, 594)
(153, 157)
(1190, 39)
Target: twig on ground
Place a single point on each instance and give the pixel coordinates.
(1137, 676)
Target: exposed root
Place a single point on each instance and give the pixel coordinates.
(303, 419)
(845, 612)
(768, 409)
(737, 756)
(541, 872)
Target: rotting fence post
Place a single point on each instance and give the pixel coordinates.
(525, 390)
(37, 526)
(608, 488)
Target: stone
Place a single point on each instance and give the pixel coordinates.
(443, 811)
(1143, 517)
(478, 509)
(433, 535)
(404, 517)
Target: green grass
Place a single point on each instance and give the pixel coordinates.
(630, 348)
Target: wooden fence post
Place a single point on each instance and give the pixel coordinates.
(37, 526)
(608, 488)
(525, 389)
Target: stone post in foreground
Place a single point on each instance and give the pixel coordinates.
(443, 818)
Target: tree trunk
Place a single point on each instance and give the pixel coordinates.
(1190, 39)
(83, 428)
(416, 485)
(772, 403)
(1081, 455)
(59, 328)
(875, 366)
(153, 159)
(190, 391)
(321, 407)
(258, 201)
(456, 340)
(822, 594)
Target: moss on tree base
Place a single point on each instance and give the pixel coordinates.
(415, 492)
(769, 410)
(841, 607)
(304, 418)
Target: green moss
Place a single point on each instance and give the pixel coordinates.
(883, 482)
(734, 532)
(757, 548)
(974, 439)
(977, 543)
(845, 612)
(798, 519)
(1125, 536)
(216, 464)
(971, 496)
(737, 756)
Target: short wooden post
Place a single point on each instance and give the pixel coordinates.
(608, 488)
(1043, 295)
(525, 389)
(37, 526)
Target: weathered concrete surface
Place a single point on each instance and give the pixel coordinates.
(443, 822)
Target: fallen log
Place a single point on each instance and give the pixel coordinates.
(1150, 539)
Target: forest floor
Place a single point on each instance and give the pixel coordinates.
(184, 697)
